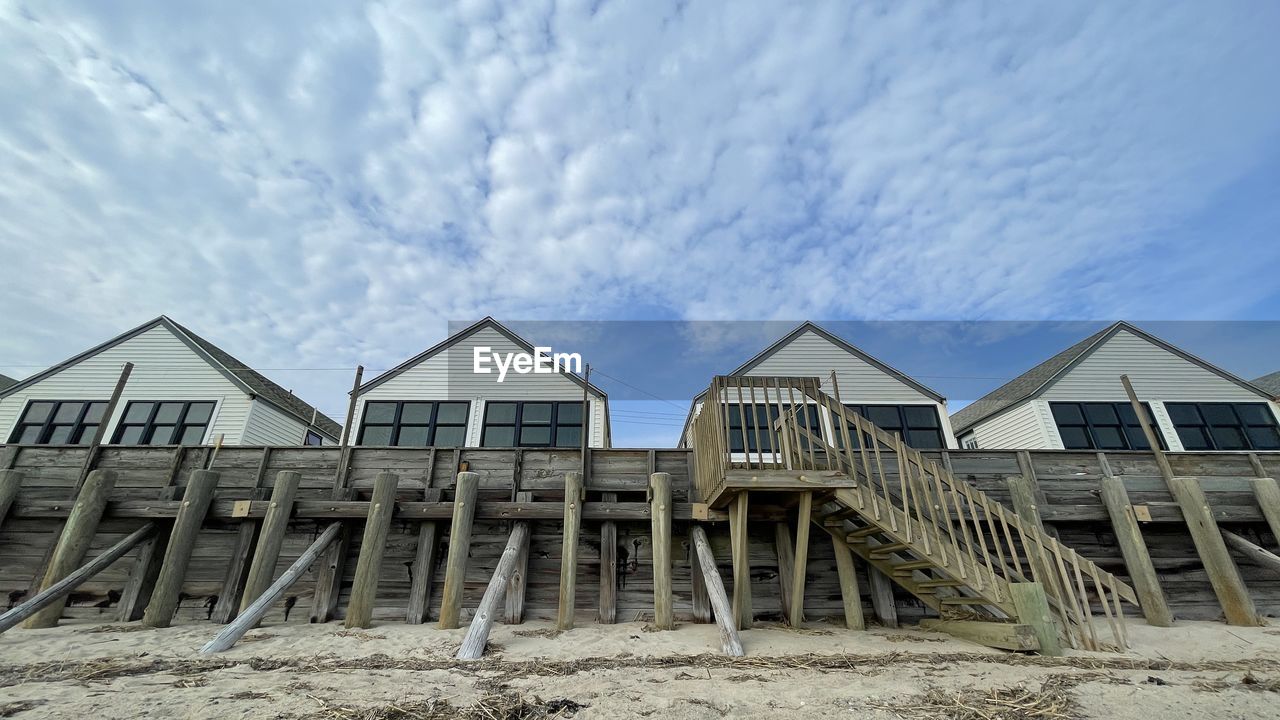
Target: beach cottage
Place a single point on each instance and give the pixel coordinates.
(477, 389)
(182, 390)
(1075, 400)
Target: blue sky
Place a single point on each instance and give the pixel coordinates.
(315, 185)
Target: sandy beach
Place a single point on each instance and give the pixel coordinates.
(626, 671)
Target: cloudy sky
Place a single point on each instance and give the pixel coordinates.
(315, 185)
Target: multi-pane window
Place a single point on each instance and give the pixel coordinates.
(1224, 426)
(917, 425)
(414, 424)
(751, 429)
(313, 439)
(532, 424)
(167, 422)
(59, 422)
(1102, 426)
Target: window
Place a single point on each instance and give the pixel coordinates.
(761, 423)
(1224, 426)
(313, 439)
(414, 424)
(969, 442)
(532, 424)
(1102, 426)
(167, 422)
(917, 425)
(59, 422)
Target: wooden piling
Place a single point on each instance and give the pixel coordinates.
(231, 597)
(660, 520)
(482, 621)
(464, 509)
(177, 556)
(699, 598)
(738, 539)
(10, 481)
(1256, 553)
(266, 555)
(424, 564)
(882, 602)
(849, 593)
(77, 534)
(573, 495)
(1268, 495)
(609, 566)
(725, 615)
(1137, 560)
(373, 545)
(801, 565)
(1032, 608)
(1223, 574)
(784, 550)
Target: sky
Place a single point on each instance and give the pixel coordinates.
(317, 185)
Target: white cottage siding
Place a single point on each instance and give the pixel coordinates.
(165, 368)
(1019, 427)
(448, 376)
(269, 426)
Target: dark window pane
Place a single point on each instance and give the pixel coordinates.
(571, 414)
(68, 412)
(61, 435)
(1108, 438)
(920, 417)
(571, 437)
(94, 415)
(1137, 440)
(535, 435)
(1101, 413)
(138, 412)
(162, 435)
(192, 435)
(1255, 414)
(1228, 438)
(380, 412)
(416, 413)
(168, 412)
(199, 413)
(131, 435)
(313, 439)
(1067, 414)
(1264, 438)
(1194, 438)
(413, 436)
(29, 435)
(924, 439)
(37, 412)
(452, 414)
(1218, 414)
(500, 413)
(735, 415)
(1074, 438)
(500, 437)
(450, 436)
(536, 413)
(86, 434)
(1183, 413)
(376, 435)
(1127, 415)
(886, 417)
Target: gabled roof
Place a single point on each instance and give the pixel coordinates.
(809, 326)
(458, 337)
(7, 382)
(1269, 383)
(1034, 381)
(248, 379)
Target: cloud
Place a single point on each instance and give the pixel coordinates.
(320, 184)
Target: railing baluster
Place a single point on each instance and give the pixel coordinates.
(755, 420)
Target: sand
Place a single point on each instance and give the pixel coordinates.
(89, 670)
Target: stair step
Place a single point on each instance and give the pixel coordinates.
(888, 548)
(911, 565)
(962, 600)
(860, 533)
(946, 582)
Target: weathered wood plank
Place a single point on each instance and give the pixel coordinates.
(742, 612)
(177, 555)
(724, 613)
(803, 519)
(464, 503)
(482, 621)
(849, 593)
(608, 566)
(1002, 636)
(1032, 608)
(73, 543)
(1267, 492)
(1237, 606)
(10, 482)
(573, 496)
(660, 499)
(424, 563)
(1137, 559)
(373, 545)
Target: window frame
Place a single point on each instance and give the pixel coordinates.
(306, 438)
(47, 426)
(517, 425)
(432, 425)
(745, 434)
(149, 425)
(903, 427)
(1206, 427)
(1089, 424)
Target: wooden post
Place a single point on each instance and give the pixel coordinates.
(73, 543)
(1237, 606)
(1256, 553)
(1032, 608)
(882, 602)
(1268, 495)
(231, 597)
(724, 613)
(373, 546)
(266, 555)
(849, 592)
(660, 521)
(516, 583)
(252, 615)
(802, 558)
(455, 575)
(482, 622)
(741, 562)
(1032, 485)
(10, 481)
(1023, 497)
(328, 585)
(573, 494)
(609, 566)
(60, 589)
(785, 551)
(1134, 549)
(700, 599)
(146, 570)
(424, 565)
(177, 556)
